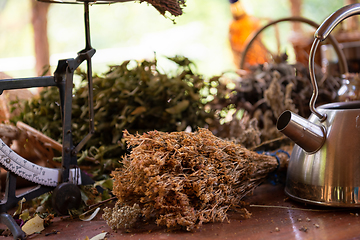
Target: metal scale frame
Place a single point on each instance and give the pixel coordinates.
(64, 181)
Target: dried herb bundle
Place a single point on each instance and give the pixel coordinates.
(267, 90)
(185, 179)
(172, 6)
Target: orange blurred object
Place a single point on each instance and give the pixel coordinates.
(241, 27)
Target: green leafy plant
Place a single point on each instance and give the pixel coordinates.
(135, 96)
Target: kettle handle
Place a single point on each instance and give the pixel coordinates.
(321, 34)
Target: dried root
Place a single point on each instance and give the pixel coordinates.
(182, 180)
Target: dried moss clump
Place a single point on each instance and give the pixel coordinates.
(181, 179)
(121, 216)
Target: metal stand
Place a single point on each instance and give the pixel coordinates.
(63, 79)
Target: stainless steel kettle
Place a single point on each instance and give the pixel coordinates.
(324, 167)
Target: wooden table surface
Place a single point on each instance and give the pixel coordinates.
(285, 219)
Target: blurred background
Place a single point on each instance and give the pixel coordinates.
(132, 30)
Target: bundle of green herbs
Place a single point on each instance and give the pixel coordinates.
(135, 96)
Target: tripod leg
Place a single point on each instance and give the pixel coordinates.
(15, 229)
(11, 199)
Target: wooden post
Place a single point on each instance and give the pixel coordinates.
(39, 22)
(296, 11)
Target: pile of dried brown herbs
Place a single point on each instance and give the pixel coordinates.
(183, 179)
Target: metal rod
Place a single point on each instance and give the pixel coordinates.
(91, 109)
(87, 26)
(90, 83)
(67, 158)
(17, 83)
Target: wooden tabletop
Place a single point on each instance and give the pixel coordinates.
(274, 216)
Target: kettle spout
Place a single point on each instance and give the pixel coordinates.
(304, 133)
